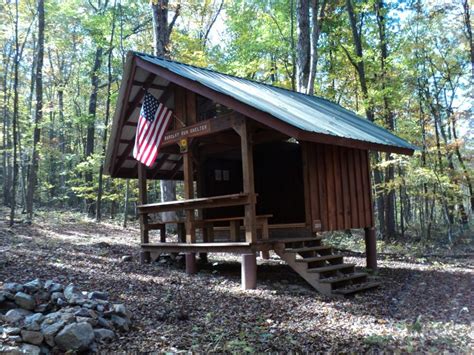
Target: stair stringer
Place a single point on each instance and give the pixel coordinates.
(301, 269)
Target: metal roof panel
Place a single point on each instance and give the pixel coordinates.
(306, 112)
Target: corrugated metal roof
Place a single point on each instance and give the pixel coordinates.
(306, 112)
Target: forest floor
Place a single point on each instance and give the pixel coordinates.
(423, 304)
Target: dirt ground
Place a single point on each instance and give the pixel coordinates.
(422, 304)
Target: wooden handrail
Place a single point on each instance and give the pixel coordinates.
(196, 203)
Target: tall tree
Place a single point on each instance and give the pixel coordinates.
(303, 48)
(32, 177)
(161, 34)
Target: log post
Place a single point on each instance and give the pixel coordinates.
(370, 248)
(191, 267)
(145, 256)
(249, 271)
(250, 221)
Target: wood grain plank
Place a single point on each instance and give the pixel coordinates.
(346, 194)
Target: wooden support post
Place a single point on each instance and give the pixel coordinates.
(234, 231)
(145, 256)
(163, 233)
(265, 236)
(370, 248)
(191, 267)
(249, 271)
(188, 194)
(250, 222)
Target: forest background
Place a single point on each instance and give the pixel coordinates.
(407, 65)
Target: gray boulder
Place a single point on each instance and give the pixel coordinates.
(32, 337)
(13, 287)
(73, 295)
(25, 301)
(120, 310)
(122, 324)
(30, 349)
(97, 295)
(75, 337)
(16, 315)
(33, 285)
(11, 331)
(33, 322)
(50, 330)
(103, 335)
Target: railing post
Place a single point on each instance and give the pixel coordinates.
(145, 256)
(249, 271)
(370, 248)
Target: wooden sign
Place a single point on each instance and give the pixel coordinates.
(183, 145)
(196, 130)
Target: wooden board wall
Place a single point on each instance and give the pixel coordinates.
(339, 188)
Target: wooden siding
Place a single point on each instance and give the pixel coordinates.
(339, 191)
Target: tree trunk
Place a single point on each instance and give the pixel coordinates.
(98, 214)
(32, 176)
(468, 27)
(161, 35)
(15, 121)
(91, 123)
(303, 50)
(369, 110)
(6, 169)
(318, 12)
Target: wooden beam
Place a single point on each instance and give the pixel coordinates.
(264, 117)
(248, 179)
(150, 86)
(143, 199)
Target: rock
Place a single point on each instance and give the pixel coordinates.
(100, 308)
(25, 301)
(97, 295)
(10, 350)
(50, 331)
(3, 297)
(7, 305)
(42, 296)
(16, 315)
(11, 331)
(52, 287)
(32, 337)
(82, 312)
(33, 322)
(33, 285)
(91, 321)
(61, 303)
(55, 296)
(104, 323)
(103, 335)
(13, 287)
(90, 304)
(73, 295)
(41, 308)
(120, 310)
(15, 338)
(126, 258)
(120, 323)
(30, 349)
(75, 337)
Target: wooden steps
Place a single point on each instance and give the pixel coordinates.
(321, 268)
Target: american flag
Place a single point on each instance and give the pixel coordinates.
(152, 123)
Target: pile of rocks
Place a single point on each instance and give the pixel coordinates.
(40, 318)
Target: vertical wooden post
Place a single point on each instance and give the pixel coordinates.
(188, 194)
(370, 248)
(143, 199)
(250, 221)
(249, 271)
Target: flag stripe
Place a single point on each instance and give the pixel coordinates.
(152, 123)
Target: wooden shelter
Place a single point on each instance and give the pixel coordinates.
(264, 168)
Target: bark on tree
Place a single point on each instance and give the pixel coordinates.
(32, 176)
(389, 202)
(303, 49)
(15, 121)
(161, 34)
(317, 15)
(359, 66)
(6, 166)
(98, 215)
(91, 122)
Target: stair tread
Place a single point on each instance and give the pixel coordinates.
(299, 250)
(330, 268)
(319, 258)
(347, 277)
(296, 240)
(356, 288)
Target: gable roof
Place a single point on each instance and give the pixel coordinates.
(313, 116)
